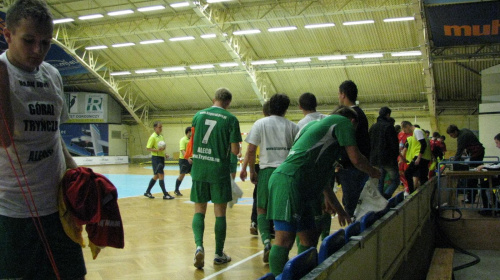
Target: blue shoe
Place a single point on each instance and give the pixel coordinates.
(199, 258)
(222, 259)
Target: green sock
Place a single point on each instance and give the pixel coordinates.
(297, 240)
(198, 228)
(301, 248)
(277, 259)
(263, 224)
(220, 234)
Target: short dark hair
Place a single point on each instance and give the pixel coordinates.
(442, 137)
(266, 109)
(350, 89)
(308, 101)
(416, 125)
(345, 111)
(278, 104)
(156, 123)
(187, 130)
(405, 124)
(397, 127)
(497, 137)
(36, 10)
(384, 111)
(223, 95)
(436, 134)
(452, 128)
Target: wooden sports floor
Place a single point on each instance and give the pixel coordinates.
(159, 242)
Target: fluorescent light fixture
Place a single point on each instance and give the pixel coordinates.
(119, 13)
(171, 69)
(244, 32)
(217, 1)
(151, 8)
(408, 53)
(208, 36)
(90, 17)
(121, 73)
(122, 45)
(358, 22)
(185, 38)
(145, 71)
(96, 47)
(319, 25)
(264, 62)
(332, 57)
(285, 28)
(399, 19)
(368, 55)
(152, 42)
(62, 20)
(229, 64)
(179, 4)
(295, 60)
(204, 66)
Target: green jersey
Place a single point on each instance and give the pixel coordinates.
(214, 131)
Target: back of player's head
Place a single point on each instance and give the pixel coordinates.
(345, 111)
(35, 10)
(384, 111)
(307, 101)
(350, 90)
(405, 124)
(278, 104)
(223, 95)
(266, 108)
(451, 129)
(187, 130)
(436, 134)
(156, 124)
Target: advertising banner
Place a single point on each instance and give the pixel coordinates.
(87, 107)
(86, 139)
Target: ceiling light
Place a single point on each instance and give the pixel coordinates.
(62, 20)
(358, 22)
(179, 4)
(122, 45)
(286, 28)
(207, 36)
(170, 69)
(217, 1)
(204, 66)
(399, 19)
(332, 57)
(295, 60)
(120, 73)
(244, 32)
(151, 8)
(145, 71)
(152, 42)
(368, 55)
(96, 47)
(90, 17)
(264, 62)
(229, 64)
(408, 53)
(185, 38)
(119, 13)
(319, 25)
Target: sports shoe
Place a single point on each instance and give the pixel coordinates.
(148, 195)
(168, 196)
(267, 250)
(199, 258)
(253, 228)
(222, 259)
(178, 193)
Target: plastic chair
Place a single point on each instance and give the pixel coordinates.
(268, 276)
(367, 220)
(300, 265)
(352, 230)
(381, 213)
(393, 202)
(331, 244)
(400, 197)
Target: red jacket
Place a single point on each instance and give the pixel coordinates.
(93, 200)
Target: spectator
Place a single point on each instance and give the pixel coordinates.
(308, 104)
(418, 153)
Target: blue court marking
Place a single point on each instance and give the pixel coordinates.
(135, 185)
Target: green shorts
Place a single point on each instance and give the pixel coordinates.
(22, 254)
(263, 189)
(202, 192)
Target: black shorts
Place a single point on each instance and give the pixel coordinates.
(22, 253)
(184, 166)
(158, 164)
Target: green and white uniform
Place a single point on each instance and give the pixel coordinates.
(296, 186)
(215, 130)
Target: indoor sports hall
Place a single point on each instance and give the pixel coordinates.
(129, 65)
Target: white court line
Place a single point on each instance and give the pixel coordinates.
(232, 266)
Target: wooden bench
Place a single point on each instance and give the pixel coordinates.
(441, 265)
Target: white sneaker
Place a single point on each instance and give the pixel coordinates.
(199, 258)
(222, 259)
